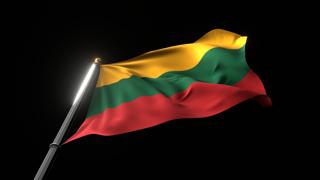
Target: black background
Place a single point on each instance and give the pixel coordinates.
(57, 45)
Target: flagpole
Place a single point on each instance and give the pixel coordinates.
(53, 147)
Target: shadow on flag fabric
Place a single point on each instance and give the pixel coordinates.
(193, 80)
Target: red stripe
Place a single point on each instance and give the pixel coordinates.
(199, 100)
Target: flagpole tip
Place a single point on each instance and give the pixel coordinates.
(97, 60)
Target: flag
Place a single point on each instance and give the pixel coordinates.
(192, 80)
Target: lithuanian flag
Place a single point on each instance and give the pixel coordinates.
(193, 80)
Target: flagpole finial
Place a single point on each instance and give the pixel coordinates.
(97, 60)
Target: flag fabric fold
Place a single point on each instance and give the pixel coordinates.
(193, 80)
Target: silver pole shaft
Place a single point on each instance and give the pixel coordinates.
(57, 141)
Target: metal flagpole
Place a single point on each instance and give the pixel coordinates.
(57, 141)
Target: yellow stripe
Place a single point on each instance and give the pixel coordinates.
(177, 58)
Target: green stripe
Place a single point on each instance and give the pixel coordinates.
(217, 66)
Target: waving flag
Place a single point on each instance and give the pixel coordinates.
(193, 80)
